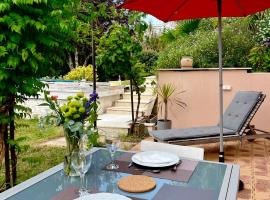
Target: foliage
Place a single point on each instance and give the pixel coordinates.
(169, 95)
(151, 40)
(184, 28)
(117, 52)
(149, 59)
(80, 73)
(202, 46)
(259, 58)
(262, 27)
(34, 37)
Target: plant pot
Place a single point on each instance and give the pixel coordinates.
(163, 125)
(72, 145)
(186, 62)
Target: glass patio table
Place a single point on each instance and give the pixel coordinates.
(220, 178)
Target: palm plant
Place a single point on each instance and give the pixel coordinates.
(169, 95)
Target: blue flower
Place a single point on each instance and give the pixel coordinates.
(93, 99)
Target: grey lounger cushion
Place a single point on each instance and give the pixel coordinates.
(239, 109)
(233, 119)
(189, 133)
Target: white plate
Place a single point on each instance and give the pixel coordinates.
(103, 196)
(155, 159)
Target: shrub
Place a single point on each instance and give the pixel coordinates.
(259, 58)
(149, 58)
(203, 47)
(80, 73)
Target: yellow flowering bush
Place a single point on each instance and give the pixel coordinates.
(81, 72)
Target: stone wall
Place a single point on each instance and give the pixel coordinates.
(107, 95)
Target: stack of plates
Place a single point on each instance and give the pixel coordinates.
(155, 159)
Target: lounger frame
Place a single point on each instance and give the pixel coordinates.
(247, 131)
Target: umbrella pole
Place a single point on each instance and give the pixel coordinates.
(221, 149)
(94, 66)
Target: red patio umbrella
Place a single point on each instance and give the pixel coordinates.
(173, 10)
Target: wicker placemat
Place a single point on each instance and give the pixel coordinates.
(136, 183)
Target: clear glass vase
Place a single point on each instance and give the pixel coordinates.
(73, 145)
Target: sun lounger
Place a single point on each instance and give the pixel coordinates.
(236, 124)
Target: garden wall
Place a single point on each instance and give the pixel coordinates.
(202, 94)
(107, 95)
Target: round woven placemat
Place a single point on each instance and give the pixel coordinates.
(136, 183)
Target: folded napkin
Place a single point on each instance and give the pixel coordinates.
(154, 158)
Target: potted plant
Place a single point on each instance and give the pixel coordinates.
(168, 95)
(77, 117)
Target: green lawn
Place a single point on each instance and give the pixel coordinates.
(36, 159)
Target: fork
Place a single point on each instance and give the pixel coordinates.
(176, 165)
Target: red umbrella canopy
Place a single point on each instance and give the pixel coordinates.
(172, 10)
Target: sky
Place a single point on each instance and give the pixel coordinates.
(153, 20)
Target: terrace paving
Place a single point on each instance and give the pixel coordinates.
(254, 161)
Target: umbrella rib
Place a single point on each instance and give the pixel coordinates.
(177, 8)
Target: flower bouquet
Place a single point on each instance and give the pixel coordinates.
(77, 116)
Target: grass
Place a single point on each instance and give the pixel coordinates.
(35, 158)
(132, 138)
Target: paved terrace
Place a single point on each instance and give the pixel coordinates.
(254, 160)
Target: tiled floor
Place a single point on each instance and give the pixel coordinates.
(254, 160)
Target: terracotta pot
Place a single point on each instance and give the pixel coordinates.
(186, 62)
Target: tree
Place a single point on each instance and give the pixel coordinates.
(117, 52)
(34, 37)
(95, 17)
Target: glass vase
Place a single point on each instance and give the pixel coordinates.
(72, 145)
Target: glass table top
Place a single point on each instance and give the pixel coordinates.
(206, 176)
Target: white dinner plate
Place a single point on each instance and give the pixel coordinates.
(103, 196)
(155, 159)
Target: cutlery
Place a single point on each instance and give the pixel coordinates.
(130, 164)
(154, 171)
(176, 165)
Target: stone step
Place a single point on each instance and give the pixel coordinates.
(113, 124)
(124, 111)
(127, 103)
(144, 96)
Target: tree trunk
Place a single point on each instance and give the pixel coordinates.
(2, 144)
(132, 107)
(76, 58)
(12, 148)
(86, 60)
(138, 103)
(70, 62)
(7, 161)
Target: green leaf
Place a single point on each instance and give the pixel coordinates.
(13, 61)
(11, 46)
(4, 7)
(24, 54)
(2, 37)
(3, 51)
(44, 104)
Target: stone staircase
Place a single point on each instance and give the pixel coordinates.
(115, 121)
